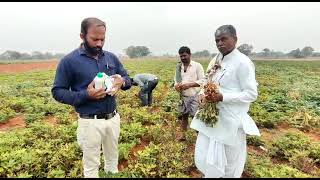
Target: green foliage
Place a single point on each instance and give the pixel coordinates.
(164, 160)
(315, 152)
(284, 171)
(191, 136)
(145, 117)
(301, 161)
(255, 141)
(288, 93)
(124, 150)
(6, 113)
(158, 135)
(131, 132)
(40, 151)
(262, 167)
(146, 163)
(289, 144)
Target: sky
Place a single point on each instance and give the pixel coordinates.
(161, 26)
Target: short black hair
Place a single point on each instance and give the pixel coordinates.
(227, 29)
(184, 49)
(87, 22)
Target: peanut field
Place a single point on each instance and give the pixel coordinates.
(38, 134)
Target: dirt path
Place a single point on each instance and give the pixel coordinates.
(25, 67)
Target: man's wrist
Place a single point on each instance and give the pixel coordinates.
(124, 82)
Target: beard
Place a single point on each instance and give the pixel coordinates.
(92, 50)
(185, 61)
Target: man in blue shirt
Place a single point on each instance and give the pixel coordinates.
(99, 122)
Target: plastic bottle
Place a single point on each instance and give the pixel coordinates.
(99, 81)
(108, 83)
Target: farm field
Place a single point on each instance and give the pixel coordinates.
(38, 134)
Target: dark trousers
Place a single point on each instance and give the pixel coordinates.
(145, 93)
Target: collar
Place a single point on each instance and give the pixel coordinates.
(228, 56)
(82, 51)
(190, 64)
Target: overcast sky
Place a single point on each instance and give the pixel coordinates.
(161, 26)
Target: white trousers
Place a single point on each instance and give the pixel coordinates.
(91, 134)
(217, 160)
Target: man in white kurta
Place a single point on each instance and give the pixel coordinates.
(221, 150)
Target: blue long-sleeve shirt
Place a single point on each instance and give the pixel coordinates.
(76, 71)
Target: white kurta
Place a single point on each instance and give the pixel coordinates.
(238, 86)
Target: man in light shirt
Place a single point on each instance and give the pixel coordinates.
(147, 82)
(188, 77)
(221, 150)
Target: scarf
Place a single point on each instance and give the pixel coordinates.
(178, 72)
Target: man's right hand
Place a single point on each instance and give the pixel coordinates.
(95, 93)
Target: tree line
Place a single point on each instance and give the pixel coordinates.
(143, 51)
(307, 51)
(15, 55)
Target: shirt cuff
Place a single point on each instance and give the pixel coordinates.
(126, 83)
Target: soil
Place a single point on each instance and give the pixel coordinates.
(17, 122)
(52, 120)
(34, 66)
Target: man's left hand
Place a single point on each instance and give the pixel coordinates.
(118, 81)
(184, 86)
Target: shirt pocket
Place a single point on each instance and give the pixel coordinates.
(111, 69)
(227, 79)
(190, 75)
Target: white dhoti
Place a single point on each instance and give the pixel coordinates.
(215, 159)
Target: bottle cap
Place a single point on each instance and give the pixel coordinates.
(100, 75)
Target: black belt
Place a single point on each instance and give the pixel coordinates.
(105, 116)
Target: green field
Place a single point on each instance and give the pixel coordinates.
(287, 113)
